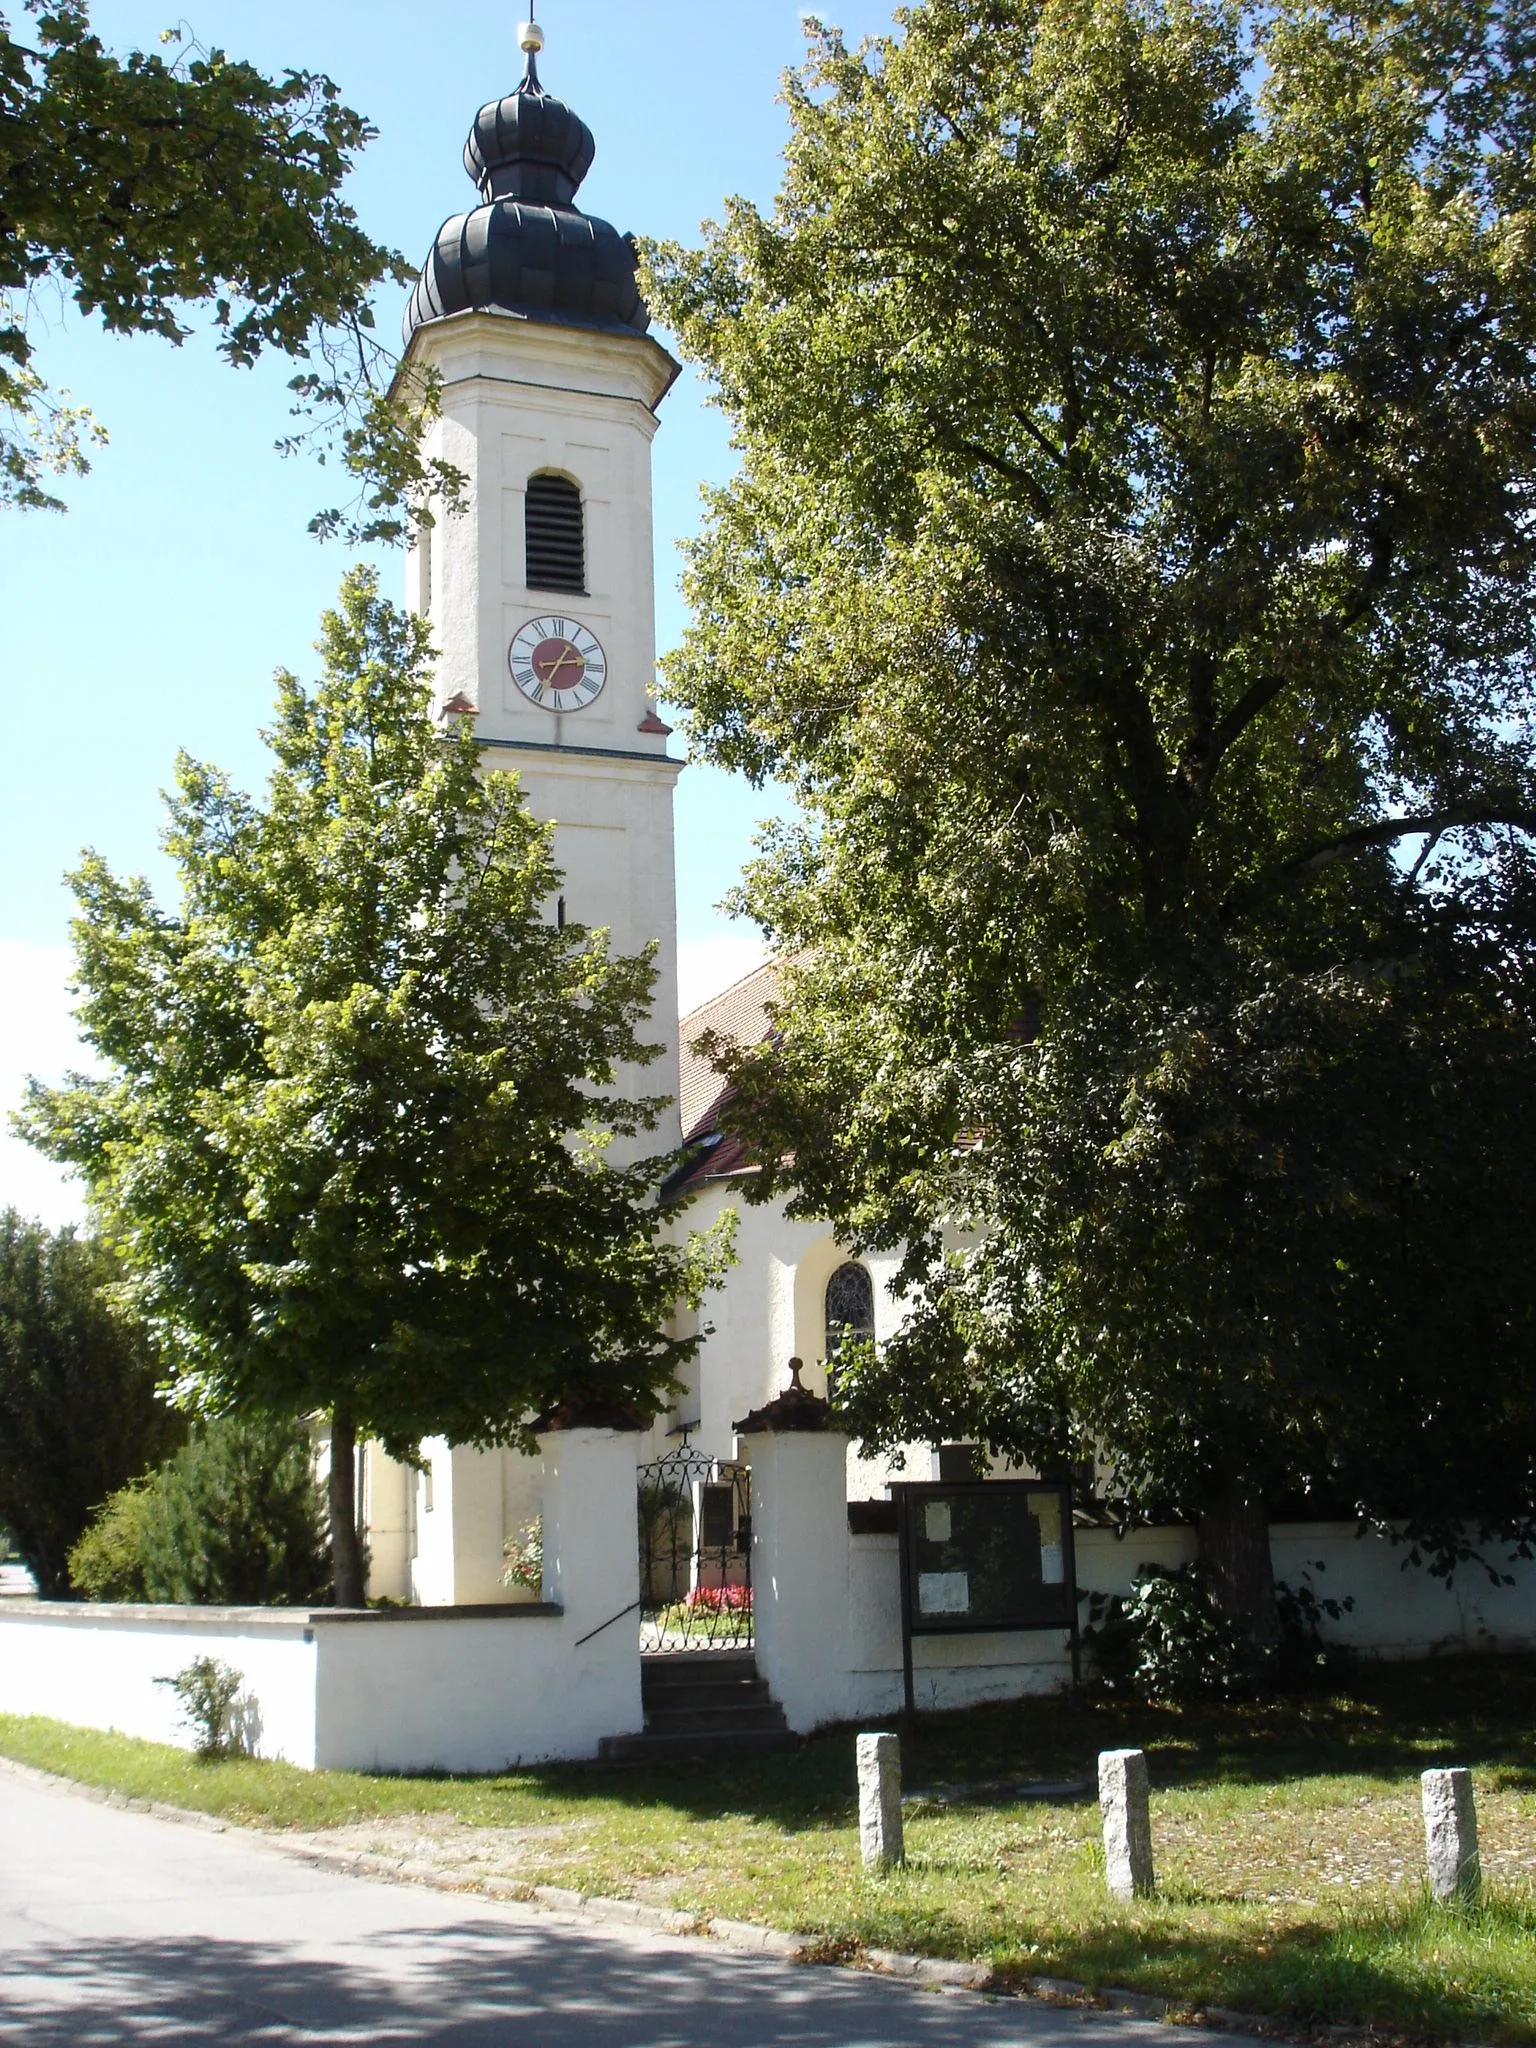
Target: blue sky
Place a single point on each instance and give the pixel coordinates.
(152, 615)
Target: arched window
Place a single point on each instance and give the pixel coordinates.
(850, 1307)
(555, 536)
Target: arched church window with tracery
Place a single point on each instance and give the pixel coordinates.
(850, 1308)
(555, 535)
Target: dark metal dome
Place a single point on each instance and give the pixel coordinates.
(529, 146)
(529, 249)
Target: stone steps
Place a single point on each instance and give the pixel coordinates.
(661, 1749)
(702, 1703)
(762, 1716)
(707, 1690)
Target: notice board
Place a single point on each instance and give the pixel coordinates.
(982, 1556)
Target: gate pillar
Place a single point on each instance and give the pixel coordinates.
(800, 1554)
(592, 1564)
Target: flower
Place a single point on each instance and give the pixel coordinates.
(720, 1599)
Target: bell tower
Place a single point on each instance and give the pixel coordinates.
(540, 594)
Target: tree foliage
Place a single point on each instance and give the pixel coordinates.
(234, 1519)
(360, 1137)
(142, 186)
(1131, 570)
(78, 1412)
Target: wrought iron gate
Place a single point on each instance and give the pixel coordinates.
(695, 1553)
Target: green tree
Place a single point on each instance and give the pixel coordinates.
(78, 1411)
(235, 1519)
(143, 187)
(355, 1138)
(1131, 571)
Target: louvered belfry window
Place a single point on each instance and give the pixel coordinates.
(557, 552)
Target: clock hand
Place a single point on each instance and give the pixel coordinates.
(568, 654)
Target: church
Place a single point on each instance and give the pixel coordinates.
(540, 597)
(743, 1521)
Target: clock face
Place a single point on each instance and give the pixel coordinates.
(558, 664)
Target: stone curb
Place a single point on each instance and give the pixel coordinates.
(103, 1795)
(953, 1978)
(890, 1962)
(766, 1940)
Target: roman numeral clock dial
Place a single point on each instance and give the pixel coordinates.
(558, 664)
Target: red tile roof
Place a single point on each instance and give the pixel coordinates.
(739, 1015)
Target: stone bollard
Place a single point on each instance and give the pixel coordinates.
(1127, 1822)
(1450, 1837)
(880, 1801)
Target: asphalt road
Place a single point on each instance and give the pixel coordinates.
(116, 1927)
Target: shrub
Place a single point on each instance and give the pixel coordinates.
(1301, 1659)
(209, 1692)
(234, 1519)
(524, 1556)
(78, 1411)
(1167, 1640)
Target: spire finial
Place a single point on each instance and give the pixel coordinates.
(530, 40)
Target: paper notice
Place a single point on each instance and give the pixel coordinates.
(944, 1592)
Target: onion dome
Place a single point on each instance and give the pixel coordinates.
(529, 249)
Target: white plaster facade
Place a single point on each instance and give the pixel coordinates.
(459, 1508)
(770, 1308)
(520, 399)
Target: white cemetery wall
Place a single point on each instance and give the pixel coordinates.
(829, 1603)
(460, 1689)
(457, 1689)
(454, 1689)
(1107, 1563)
(97, 1666)
(1400, 1610)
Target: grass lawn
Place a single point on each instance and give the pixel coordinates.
(1288, 1839)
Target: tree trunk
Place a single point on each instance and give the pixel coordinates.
(1234, 1543)
(346, 1550)
(51, 1574)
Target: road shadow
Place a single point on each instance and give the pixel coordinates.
(476, 1984)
